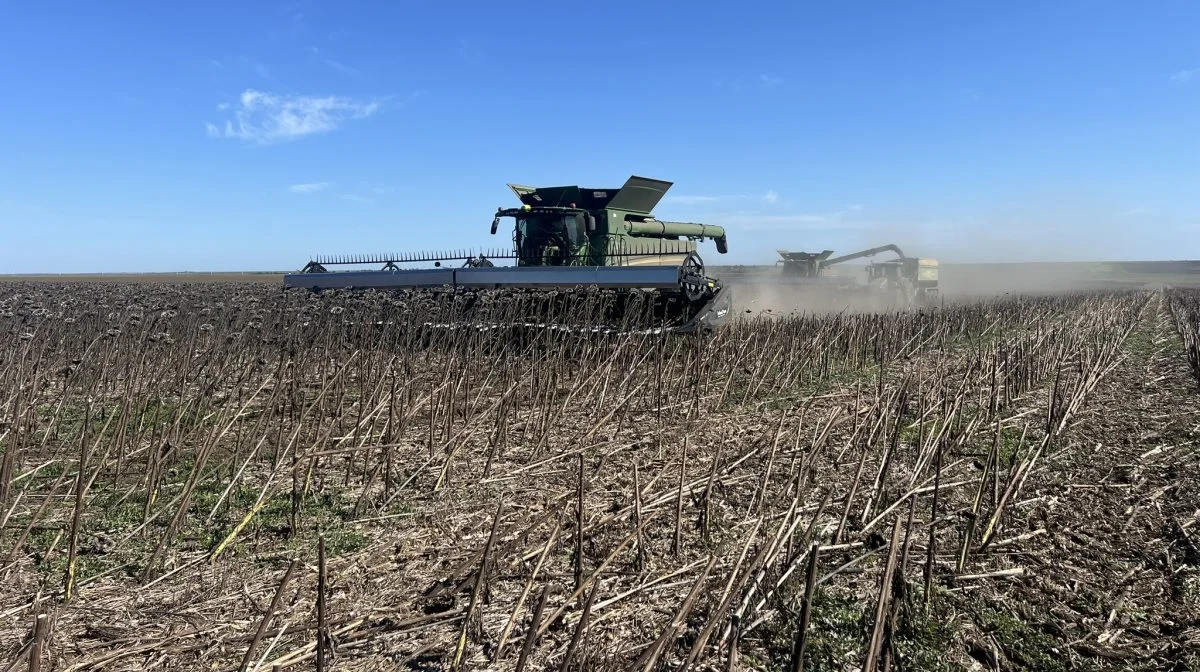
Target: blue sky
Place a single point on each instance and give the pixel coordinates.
(145, 136)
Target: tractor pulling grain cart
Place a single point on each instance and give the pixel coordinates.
(568, 240)
(907, 281)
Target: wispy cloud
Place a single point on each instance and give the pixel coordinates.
(750, 221)
(773, 214)
(748, 206)
(684, 199)
(266, 118)
(241, 63)
(469, 49)
(745, 81)
(343, 68)
(308, 188)
(28, 207)
(1185, 76)
(335, 64)
(355, 198)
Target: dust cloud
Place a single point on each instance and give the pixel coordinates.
(760, 296)
(1038, 244)
(981, 280)
(1061, 225)
(1031, 243)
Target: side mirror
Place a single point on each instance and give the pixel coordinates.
(495, 224)
(722, 245)
(591, 221)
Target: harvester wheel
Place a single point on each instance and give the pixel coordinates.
(691, 277)
(906, 293)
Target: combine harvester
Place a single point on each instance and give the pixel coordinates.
(566, 241)
(904, 281)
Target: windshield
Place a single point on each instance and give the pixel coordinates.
(549, 239)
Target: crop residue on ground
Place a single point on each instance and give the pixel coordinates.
(229, 476)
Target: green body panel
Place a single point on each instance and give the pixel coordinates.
(921, 274)
(577, 226)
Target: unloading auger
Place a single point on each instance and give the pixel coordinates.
(569, 239)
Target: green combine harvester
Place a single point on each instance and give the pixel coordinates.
(567, 238)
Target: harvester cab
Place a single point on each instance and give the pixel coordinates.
(577, 226)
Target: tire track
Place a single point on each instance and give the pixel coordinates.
(1112, 573)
